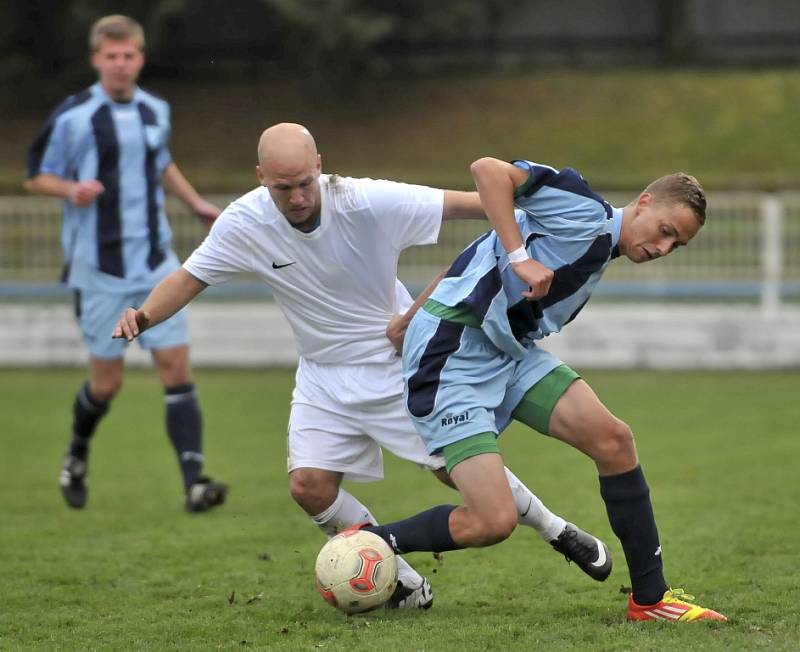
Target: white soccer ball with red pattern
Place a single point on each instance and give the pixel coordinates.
(356, 571)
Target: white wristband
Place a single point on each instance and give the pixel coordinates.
(518, 255)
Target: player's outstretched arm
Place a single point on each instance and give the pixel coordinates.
(167, 298)
(496, 181)
(460, 205)
(179, 185)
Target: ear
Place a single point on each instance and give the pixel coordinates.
(94, 60)
(319, 162)
(260, 176)
(644, 200)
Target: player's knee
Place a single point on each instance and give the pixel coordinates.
(104, 390)
(173, 365)
(616, 446)
(314, 492)
(496, 527)
(174, 372)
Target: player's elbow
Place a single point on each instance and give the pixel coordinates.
(482, 165)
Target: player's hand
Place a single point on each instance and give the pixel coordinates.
(206, 211)
(396, 332)
(537, 276)
(82, 193)
(130, 324)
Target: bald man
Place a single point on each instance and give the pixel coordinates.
(328, 248)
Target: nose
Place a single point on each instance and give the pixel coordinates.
(664, 247)
(296, 198)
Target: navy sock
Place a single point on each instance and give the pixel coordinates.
(427, 531)
(630, 513)
(185, 430)
(86, 412)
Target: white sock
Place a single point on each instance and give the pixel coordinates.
(532, 511)
(346, 510)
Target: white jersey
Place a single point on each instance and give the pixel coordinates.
(337, 285)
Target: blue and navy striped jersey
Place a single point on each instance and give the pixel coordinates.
(565, 226)
(119, 241)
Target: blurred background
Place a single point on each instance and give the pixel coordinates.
(622, 90)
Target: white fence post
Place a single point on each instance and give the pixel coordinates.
(771, 255)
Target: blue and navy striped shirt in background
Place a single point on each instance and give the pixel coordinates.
(565, 226)
(119, 241)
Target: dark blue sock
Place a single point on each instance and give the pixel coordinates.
(86, 412)
(630, 513)
(185, 430)
(427, 531)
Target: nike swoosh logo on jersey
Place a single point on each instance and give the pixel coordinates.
(276, 266)
(601, 555)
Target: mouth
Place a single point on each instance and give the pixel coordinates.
(649, 255)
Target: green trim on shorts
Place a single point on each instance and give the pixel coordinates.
(459, 314)
(459, 451)
(537, 405)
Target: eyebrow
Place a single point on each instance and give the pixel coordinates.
(283, 184)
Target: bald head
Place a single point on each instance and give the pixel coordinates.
(286, 144)
(289, 166)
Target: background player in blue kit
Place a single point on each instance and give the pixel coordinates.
(471, 360)
(104, 151)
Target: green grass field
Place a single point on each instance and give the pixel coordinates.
(620, 127)
(133, 571)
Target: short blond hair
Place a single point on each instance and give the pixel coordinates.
(117, 28)
(680, 188)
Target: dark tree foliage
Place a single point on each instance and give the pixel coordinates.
(44, 49)
(334, 43)
(328, 45)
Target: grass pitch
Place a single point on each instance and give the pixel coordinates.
(133, 571)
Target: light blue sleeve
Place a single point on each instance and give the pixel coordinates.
(56, 157)
(560, 201)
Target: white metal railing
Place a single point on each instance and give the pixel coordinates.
(749, 249)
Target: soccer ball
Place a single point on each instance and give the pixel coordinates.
(356, 571)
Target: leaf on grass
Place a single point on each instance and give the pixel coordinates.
(439, 556)
(254, 598)
(625, 590)
(264, 556)
(232, 597)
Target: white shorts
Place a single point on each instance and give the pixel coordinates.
(343, 414)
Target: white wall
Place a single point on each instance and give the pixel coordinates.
(664, 336)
